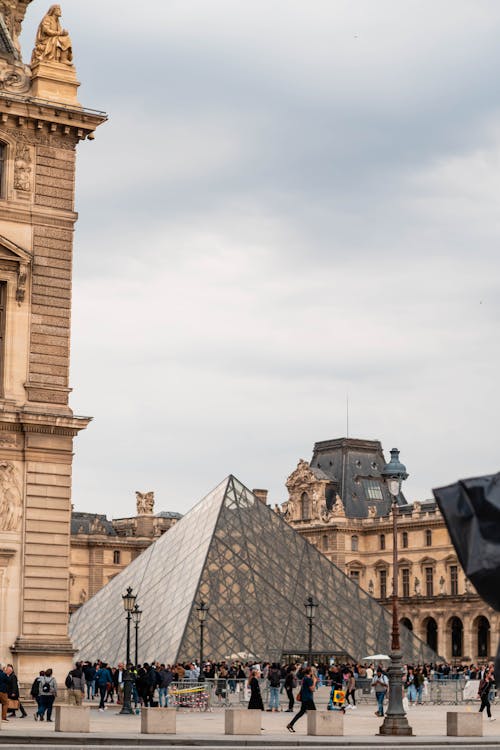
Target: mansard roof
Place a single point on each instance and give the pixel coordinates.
(356, 466)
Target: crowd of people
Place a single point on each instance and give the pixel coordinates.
(150, 684)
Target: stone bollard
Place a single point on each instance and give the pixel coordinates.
(325, 723)
(72, 718)
(158, 720)
(242, 721)
(464, 724)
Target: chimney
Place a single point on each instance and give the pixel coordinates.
(261, 495)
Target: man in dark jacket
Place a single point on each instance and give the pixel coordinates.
(4, 690)
(13, 690)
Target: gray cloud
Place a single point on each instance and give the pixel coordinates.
(289, 203)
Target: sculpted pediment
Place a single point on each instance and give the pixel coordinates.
(15, 258)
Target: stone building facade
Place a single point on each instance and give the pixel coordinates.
(338, 501)
(41, 124)
(100, 548)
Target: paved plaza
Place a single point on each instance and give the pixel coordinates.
(207, 728)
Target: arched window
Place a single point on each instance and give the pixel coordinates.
(431, 633)
(382, 541)
(457, 636)
(407, 623)
(404, 539)
(483, 636)
(324, 542)
(354, 544)
(428, 538)
(305, 506)
(116, 557)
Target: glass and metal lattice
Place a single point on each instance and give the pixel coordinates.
(254, 571)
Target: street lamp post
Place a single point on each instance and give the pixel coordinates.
(128, 605)
(202, 616)
(395, 721)
(136, 616)
(310, 606)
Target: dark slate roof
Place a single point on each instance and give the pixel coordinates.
(355, 466)
(168, 514)
(91, 523)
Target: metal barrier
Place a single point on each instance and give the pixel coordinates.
(221, 693)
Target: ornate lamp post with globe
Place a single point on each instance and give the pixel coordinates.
(395, 721)
(310, 606)
(202, 616)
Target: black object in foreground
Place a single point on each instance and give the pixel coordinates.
(471, 510)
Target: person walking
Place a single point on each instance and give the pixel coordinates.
(485, 687)
(306, 696)
(4, 693)
(290, 684)
(350, 689)
(46, 696)
(75, 683)
(14, 691)
(255, 701)
(103, 679)
(380, 683)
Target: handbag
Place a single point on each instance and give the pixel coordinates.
(12, 704)
(298, 697)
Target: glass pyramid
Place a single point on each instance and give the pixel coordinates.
(255, 572)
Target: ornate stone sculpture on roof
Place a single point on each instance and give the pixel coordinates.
(145, 503)
(53, 43)
(13, 12)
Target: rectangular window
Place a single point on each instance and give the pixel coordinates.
(405, 575)
(2, 169)
(383, 584)
(373, 490)
(3, 315)
(453, 580)
(354, 575)
(429, 581)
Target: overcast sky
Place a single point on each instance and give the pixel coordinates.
(292, 201)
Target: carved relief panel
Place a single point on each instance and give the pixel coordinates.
(11, 505)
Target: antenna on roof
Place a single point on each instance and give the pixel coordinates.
(347, 412)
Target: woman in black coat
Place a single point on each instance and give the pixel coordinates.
(255, 696)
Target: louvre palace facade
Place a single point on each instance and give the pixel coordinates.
(338, 501)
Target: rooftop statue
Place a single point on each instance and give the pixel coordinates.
(53, 43)
(13, 12)
(145, 503)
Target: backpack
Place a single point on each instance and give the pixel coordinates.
(69, 681)
(35, 688)
(46, 687)
(274, 678)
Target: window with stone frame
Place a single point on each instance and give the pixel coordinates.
(305, 507)
(324, 542)
(116, 557)
(428, 538)
(3, 316)
(405, 579)
(354, 543)
(404, 540)
(3, 155)
(383, 583)
(429, 581)
(454, 580)
(381, 540)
